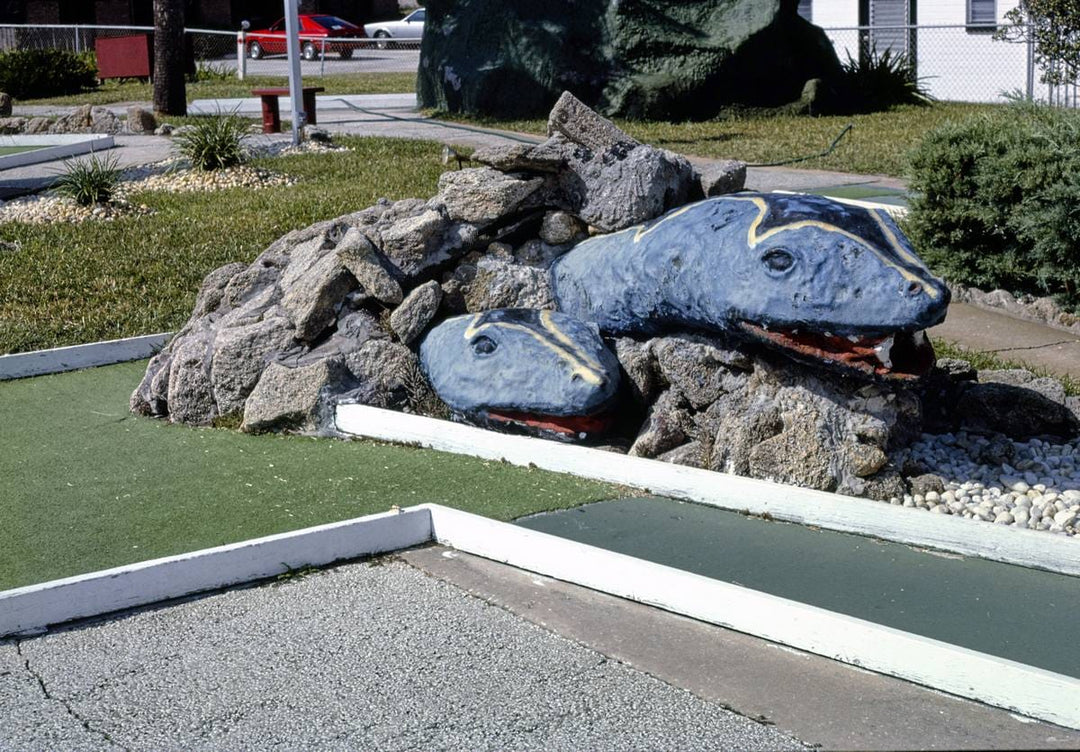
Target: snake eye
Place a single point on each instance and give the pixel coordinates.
(484, 345)
(778, 260)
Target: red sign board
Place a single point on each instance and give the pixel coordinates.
(125, 57)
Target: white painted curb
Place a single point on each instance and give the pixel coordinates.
(59, 601)
(60, 359)
(58, 146)
(1031, 691)
(1027, 548)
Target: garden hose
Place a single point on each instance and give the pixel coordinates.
(825, 153)
(442, 123)
(527, 140)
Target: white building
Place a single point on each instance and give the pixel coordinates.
(951, 41)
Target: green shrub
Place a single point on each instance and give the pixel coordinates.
(214, 142)
(32, 74)
(878, 81)
(89, 181)
(997, 201)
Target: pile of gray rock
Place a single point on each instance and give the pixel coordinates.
(334, 313)
(84, 119)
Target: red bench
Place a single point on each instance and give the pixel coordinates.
(271, 112)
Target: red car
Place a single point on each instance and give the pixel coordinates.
(317, 32)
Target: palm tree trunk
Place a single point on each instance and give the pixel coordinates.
(170, 95)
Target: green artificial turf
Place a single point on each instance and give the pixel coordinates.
(85, 485)
(6, 150)
(64, 284)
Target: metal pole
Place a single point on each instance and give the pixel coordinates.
(241, 54)
(78, 42)
(292, 43)
(1030, 64)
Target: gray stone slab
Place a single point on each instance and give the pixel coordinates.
(365, 656)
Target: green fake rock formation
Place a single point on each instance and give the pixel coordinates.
(656, 59)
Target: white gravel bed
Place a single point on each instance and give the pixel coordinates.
(1038, 489)
(40, 210)
(170, 175)
(188, 180)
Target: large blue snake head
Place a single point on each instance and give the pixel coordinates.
(815, 277)
(539, 371)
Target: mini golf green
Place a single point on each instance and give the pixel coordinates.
(6, 150)
(994, 608)
(85, 485)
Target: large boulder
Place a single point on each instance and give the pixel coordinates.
(633, 58)
(751, 413)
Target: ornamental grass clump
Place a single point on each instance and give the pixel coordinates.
(214, 143)
(995, 201)
(877, 81)
(89, 181)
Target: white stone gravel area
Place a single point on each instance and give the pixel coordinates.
(174, 175)
(1038, 489)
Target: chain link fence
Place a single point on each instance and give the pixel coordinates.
(958, 63)
(229, 52)
(953, 63)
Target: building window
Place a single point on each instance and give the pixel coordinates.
(806, 9)
(982, 13)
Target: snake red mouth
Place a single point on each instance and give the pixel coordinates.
(576, 426)
(902, 355)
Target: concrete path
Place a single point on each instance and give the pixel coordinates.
(364, 656)
(1056, 350)
(814, 699)
(444, 650)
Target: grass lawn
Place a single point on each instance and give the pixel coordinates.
(877, 144)
(69, 284)
(85, 485)
(231, 87)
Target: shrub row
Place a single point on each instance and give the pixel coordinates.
(26, 74)
(997, 201)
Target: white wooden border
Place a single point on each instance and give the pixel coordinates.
(1028, 548)
(37, 606)
(60, 359)
(996, 681)
(52, 147)
(932, 663)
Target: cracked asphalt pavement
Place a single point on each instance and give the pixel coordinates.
(372, 655)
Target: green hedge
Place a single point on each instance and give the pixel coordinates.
(32, 74)
(997, 201)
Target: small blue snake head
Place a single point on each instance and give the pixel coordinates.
(542, 371)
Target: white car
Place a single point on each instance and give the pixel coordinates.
(408, 29)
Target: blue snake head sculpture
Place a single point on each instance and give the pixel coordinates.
(820, 279)
(540, 371)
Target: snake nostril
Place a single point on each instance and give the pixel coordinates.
(913, 288)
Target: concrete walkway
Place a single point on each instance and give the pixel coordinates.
(445, 650)
(360, 656)
(1055, 350)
